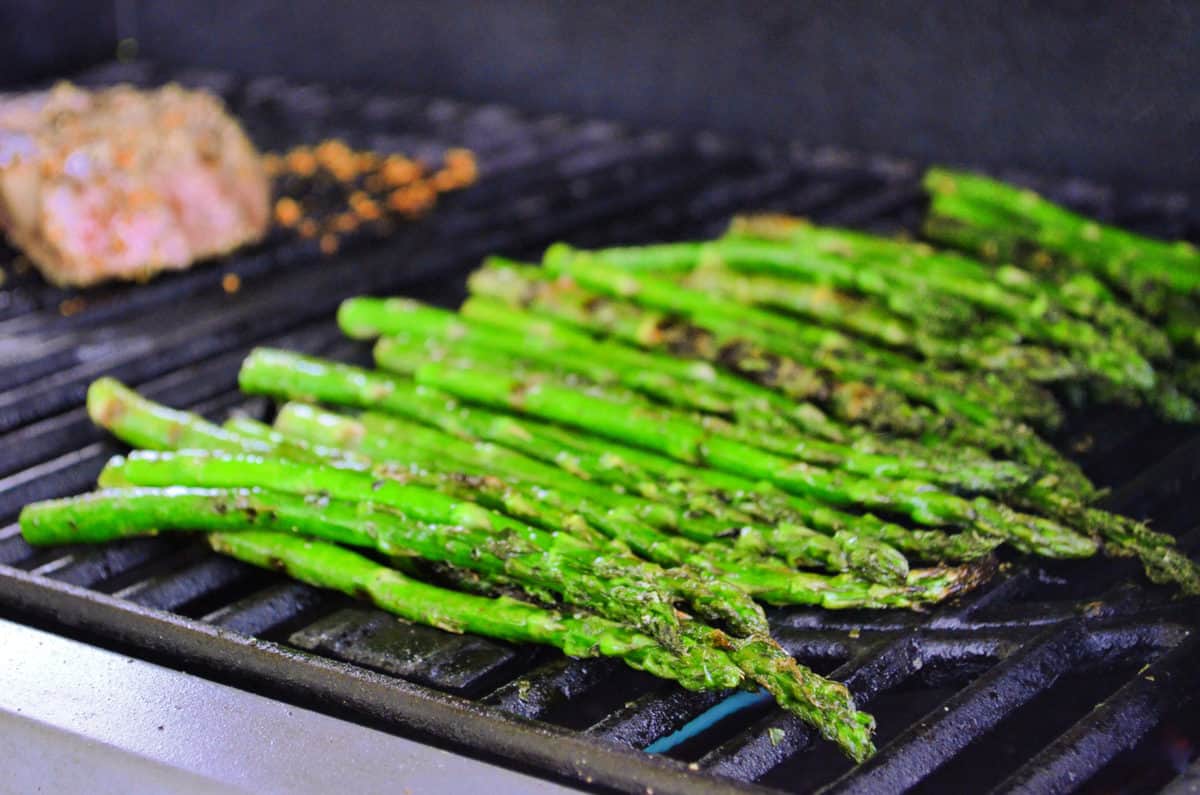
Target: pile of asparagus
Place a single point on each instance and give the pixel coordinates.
(1107, 272)
(627, 452)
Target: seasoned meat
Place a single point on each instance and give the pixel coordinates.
(122, 183)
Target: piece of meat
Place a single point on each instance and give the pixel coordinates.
(122, 183)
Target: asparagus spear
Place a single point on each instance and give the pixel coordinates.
(994, 235)
(704, 664)
(535, 505)
(659, 257)
(1036, 319)
(957, 449)
(316, 430)
(1002, 222)
(713, 598)
(466, 535)
(406, 357)
(693, 384)
(390, 440)
(705, 660)
(623, 517)
(1161, 560)
(998, 221)
(687, 441)
(1163, 563)
(979, 398)
(527, 287)
(825, 366)
(577, 634)
(543, 506)
(275, 372)
(859, 316)
(417, 466)
(143, 423)
(630, 520)
(976, 225)
(1080, 295)
(713, 492)
(130, 416)
(783, 535)
(766, 659)
(1111, 252)
(851, 401)
(812, 248)
(657, 294)
(122, 513)
(773, 583)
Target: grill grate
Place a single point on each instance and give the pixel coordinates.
(1056, 677)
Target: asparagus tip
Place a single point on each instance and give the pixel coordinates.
(105, 403)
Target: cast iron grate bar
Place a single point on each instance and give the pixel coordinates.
(1114, 725)
(945, 685)
(550, 686)
(266, 610)
(874, 667)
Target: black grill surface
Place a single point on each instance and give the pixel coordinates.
(1054, 678)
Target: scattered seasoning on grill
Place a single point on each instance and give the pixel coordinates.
(775, 734)
(331, 191)
(345, 222)
(301, 162)
(364, 206)
(414, 200)
(287, 211)
(399, 170)
(71, 306)
(231, 283)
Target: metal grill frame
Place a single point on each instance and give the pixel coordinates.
(594, 184)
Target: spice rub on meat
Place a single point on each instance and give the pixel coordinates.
(122, 183)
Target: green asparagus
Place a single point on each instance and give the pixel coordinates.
(466, 535)
(124, 513)
(390, 440)
(576, 634)
(278, 373)
(852, 402)
(694, 384)
(406, 357)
